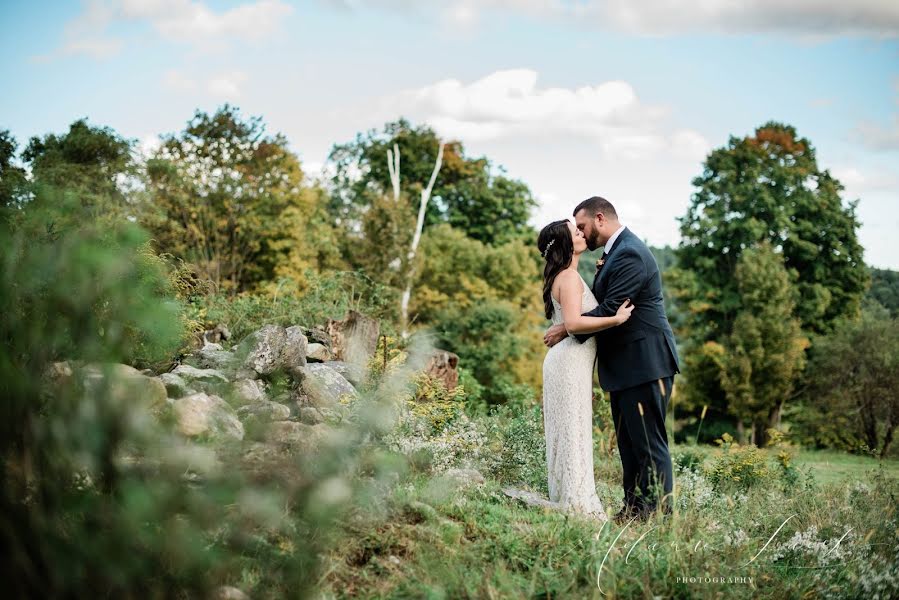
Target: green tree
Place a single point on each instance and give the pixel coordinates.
(769, 187)
(852, 385)
(764, 353)
(484, 304)
(12, 176)
(764, 187)
(468, 194)
(885, 289)
(230, 199)
(93, 163)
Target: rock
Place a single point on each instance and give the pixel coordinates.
(263, 412)
(206, 376)
(354, 339)
(465, 477)
(125, 384)
(353, 374)
(56, 373)
(442, 366)
(324, 386)
(528, 497)
(203, 415)
(310, 416)
(175, 385)
(318, 353)
(246, 391)
(213, 356)
(260, 351)
(293, 354)
(291, 433)
(226, 592)
(217, 334)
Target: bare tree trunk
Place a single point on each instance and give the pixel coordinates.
(887, 440)
(393, 167)
(741, 432)
(410, 258)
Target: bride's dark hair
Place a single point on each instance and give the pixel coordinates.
(554, 243)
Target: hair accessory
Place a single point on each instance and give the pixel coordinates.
(548, 246)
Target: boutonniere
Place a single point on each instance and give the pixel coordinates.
(600, 262)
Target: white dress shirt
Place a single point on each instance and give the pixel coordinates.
(608, 247)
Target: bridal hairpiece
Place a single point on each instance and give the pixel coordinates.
(548, 246)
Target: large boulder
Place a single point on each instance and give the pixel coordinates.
(124, 384)
(263, 412)
(318, 353)
(201, 377)
(208, 416)
(323, 386)
(293, 354)
(246, 391)
(291, 433)
(260, 352)
(213, 356)
(175, 385)
(351, 373)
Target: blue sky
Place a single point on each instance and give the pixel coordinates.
(594, 97)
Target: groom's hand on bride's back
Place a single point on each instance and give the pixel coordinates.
(554, 335)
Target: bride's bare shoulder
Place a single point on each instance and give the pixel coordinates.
(566, 280)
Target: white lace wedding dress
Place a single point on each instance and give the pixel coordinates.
(568, 419)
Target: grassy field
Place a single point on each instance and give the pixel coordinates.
(833, 535)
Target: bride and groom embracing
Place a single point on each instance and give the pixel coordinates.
(620, 324)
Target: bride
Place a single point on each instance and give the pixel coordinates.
(568, 371)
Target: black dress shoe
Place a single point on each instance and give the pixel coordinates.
(626, 514)
(648, 511)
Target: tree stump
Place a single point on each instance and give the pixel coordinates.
(443, 365)
(354, 340)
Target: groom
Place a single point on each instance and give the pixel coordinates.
(637, 361)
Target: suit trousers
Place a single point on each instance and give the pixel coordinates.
(643, 443)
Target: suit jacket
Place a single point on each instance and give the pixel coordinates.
(643, 348)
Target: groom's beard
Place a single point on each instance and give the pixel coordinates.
(593, 241)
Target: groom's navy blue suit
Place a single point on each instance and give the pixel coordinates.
(637, 362)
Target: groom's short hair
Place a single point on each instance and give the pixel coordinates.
(595, 205)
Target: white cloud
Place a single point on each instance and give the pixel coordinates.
(186, 21)
(227, 85)
(876, 18)
(511, 103)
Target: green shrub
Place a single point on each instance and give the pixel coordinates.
(328, 295)
(738, 466)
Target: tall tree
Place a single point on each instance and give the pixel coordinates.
(12, 176)
(93, 162)
(767, 187)
(761, 357)
(885, 289)
(229, 198)
(468, 193)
